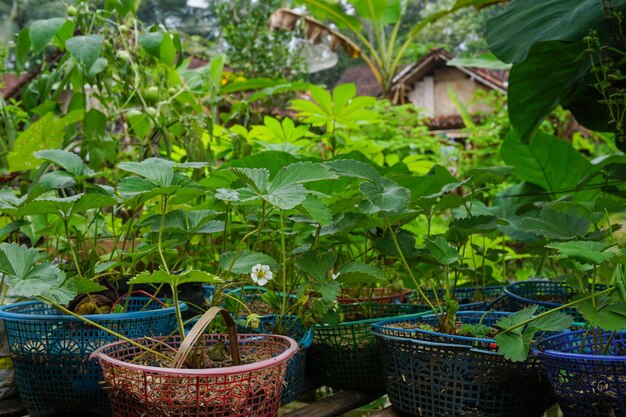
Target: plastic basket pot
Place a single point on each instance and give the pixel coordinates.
(374, 295)
(7, 374)
(586, 384)
(248, 390)
(51, 351)
(434, 374)
(294, 376)
(469, 298)
(545, 294)
(347, 356)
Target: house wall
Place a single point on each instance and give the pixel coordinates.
(431, 93)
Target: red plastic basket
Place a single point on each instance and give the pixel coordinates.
(252, 390)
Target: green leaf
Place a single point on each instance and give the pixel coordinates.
(386, 195)
(91, 201)
(607, 314)
(158, 171)
(324, 9)
(85, 286)
(442, 251)
(354, 169)
(286, 197)
(329, 291)
(524, 23)
(154, 277)
(516, 318)
(245, 261)
(485, 61)
(30, 279)
(189, 222)
(301, 172)
(546, 161)
(42, 31)
(554, 322)
(318, 210)
(514, 346)
(167, 50)
(490, 175)
(554, 224)
(225, 194)
(542, 81)
(56, 180)
(255, 178)
(69, 161)
(379, 11)
(357, 273)
(461, 229)
(97, 67)
(584, 251)
(195, 275)
(316, 265)
(140, 123)
(151, 43)
(85, 49)
(22, 48)
(45, 133)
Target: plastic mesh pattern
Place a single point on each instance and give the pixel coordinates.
(545, 294)
(240, 391)
(432, 374)
(51, 353)
(586, 385)
(347, 356)
(469, 298)
(294, 376)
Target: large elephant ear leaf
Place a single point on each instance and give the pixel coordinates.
(524, 23)
(544, 79)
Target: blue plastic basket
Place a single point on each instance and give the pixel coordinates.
(427, 373)
(294, 377)
(347, 356)
(586, 384)
(51, 353)
(524, 293)
(469, 298)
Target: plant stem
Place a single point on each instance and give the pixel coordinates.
(408, 268)
(283, 249)
(69, 244)
(179, 314)
(564, 306)
(101, 327)
(160, 239)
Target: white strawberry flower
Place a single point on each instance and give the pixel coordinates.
(261, 274)
(335, 276)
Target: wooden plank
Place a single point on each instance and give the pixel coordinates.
(334, 405)
(12, 408)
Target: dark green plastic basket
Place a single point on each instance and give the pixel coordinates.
(347, 356)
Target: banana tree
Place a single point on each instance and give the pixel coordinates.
(375, 27)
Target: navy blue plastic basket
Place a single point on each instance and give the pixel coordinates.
(545, 294)
(586, 384)
(51, 353)
(347, 356)
(294, 376)
(427, 373)
(469, 298)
